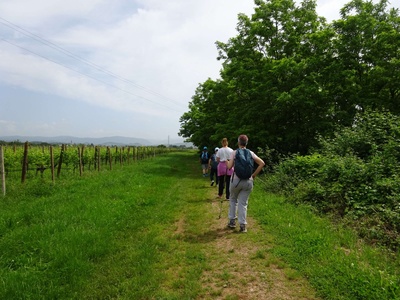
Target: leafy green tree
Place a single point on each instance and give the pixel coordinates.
(272, 72)
(204, 123)
(289, 77)
(368, 61)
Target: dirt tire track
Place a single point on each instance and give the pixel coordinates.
(242, 267)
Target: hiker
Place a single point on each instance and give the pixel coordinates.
(213, 165)
(224, 175)
(242, 159)
(204, 161)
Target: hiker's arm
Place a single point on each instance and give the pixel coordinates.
(260, 164)
(230, 161)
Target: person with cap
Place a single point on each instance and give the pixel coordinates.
(242, 185)
(204, 157)
(224, 175)
(213, 165)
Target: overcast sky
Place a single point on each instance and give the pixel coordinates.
(98, 68)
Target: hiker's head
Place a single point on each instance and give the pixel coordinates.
(216, 149)
(242, 140)
(205, 149)
(224, 142)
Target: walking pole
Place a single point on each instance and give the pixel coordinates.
(220, 209)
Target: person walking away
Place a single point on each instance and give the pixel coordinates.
(242, 160)
(204, 157)
(213, 165)
(224, 174)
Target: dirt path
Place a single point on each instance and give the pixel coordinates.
(241, 265)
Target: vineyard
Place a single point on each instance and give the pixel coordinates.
(21, 162)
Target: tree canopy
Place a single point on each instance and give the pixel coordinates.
(288, 76)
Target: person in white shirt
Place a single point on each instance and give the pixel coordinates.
(224, 175)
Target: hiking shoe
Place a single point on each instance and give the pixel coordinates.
(232, 223)
(243, 228)
(212, 183)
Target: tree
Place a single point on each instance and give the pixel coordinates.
(368, 61)
(289, 77)
(271, 71)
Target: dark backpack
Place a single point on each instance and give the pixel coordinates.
(214, 162)
(204, 156)
(244, 163)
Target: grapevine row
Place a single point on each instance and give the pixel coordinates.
(29, 159)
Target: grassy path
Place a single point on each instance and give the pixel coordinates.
(193, 255)
(151, 230)
(197, 256)
(241, 266)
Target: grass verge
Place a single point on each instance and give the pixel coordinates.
(335, 261)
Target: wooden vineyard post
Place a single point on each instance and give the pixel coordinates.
(2, 171)
(95, 158)
(24, 163)
(60, 161)
(120, 155)
(52, 163)
(98, 158)
(127, 155)
(109, 157)
(82, 158)
(80, 161)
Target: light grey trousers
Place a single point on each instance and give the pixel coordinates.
(240, 190)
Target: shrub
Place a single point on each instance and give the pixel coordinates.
(354, 175)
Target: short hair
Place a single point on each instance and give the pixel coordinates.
(243, 139)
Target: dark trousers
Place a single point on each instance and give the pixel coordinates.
(224, 181)
(212, 173)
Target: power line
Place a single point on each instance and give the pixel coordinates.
(72, 55)
(104, 82)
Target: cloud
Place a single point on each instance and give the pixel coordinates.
(135, 63)
(165, 47)
(8, 126)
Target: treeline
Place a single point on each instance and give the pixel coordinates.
(320, 102)
(289, 76)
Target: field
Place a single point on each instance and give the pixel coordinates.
(150, 230)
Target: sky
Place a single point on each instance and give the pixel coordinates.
(100, 68)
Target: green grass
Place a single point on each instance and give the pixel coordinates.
(335, 261)
(98, 235)
(140, 232)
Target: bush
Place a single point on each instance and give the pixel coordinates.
(354, 175)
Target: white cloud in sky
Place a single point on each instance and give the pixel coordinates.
(142, 62)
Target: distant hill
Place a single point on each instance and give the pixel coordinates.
(103, 141)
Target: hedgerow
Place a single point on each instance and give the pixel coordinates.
(354, 175)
